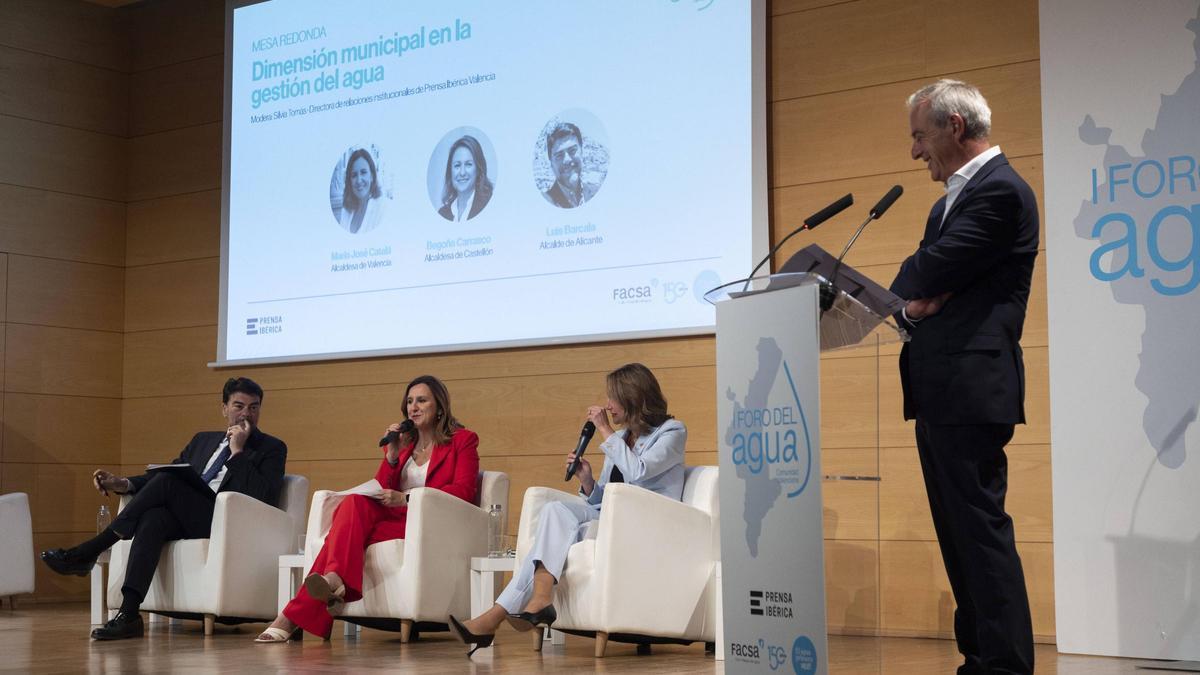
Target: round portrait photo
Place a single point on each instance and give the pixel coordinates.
(462, 174)
(570, 158)
(359, 190)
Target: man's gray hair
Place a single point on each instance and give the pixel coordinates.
(949, 97)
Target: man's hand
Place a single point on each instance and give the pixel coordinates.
(106, 482)
(925, 307)
(238, 434)
(393, 498)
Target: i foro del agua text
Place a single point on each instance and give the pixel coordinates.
(326, 70)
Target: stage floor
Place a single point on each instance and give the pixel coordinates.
(54, 639)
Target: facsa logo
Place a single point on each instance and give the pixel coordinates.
(632, 294)
(745, 651)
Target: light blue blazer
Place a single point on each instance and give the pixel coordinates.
(655, 462)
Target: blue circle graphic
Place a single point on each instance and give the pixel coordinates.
(804, 656)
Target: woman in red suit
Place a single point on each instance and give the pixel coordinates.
(438, 452)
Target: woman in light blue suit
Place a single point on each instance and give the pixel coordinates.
(646, 452)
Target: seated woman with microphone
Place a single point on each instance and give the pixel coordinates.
(429, 449)
(647, 452)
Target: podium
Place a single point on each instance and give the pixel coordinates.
(770, 332)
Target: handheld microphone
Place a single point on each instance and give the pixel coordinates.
(584, 437)
(392, 436)
(808, 224)
(828, 291)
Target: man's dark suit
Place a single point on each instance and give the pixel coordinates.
(964, 384)
(165, 508)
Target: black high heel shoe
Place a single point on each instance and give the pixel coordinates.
(476, 642)
(526, 621)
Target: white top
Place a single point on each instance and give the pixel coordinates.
(215, 483)
(460, 216)
(413, 476)
(966, 172)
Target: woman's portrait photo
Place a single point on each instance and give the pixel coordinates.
(460, 181)
(357, 190)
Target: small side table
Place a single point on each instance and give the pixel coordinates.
(484, 571)
(291, 567)
(99, 579)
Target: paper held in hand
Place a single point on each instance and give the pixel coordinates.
(371, 489)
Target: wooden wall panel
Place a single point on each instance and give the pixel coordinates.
(841, 47)
(64, 500)
(172, 295)
(176, 96)
(44, 360)
(850, 507)
(56, 225)
(916, 598)
(61, 159)
(852, 587)
(169, 229)
(175, 162)
(167, 33)
(849, 398)
(985, 34)
(145, 439)
(50, 89)
(865, 131)
(48, 292)
(62, 429)
(904, 509)
(76, 31)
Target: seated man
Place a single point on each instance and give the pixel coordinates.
(166, 507)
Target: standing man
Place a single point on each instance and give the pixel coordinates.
(166, 507)
(967, 287)
(564, 145)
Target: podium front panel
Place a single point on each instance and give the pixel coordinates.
(768, 429)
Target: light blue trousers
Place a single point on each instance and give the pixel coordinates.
(561, 524)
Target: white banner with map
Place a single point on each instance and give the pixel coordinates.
(772, 556)
(1121, 130)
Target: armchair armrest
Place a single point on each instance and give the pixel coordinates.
(654, 552)
(531, 511)
(245, 543)
(443, 533)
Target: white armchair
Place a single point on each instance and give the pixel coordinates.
(645, 572)
(16, 555)
(416, 582)
(230, 577)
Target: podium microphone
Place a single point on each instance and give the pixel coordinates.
(829, 291)
(392, 436)
(585, 436)
(808, 224)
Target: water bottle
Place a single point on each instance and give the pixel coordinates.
(496, 532)
(102, 519)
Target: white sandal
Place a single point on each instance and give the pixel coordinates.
(272, 634)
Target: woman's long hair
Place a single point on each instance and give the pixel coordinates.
(446, 423)
(349, 199)
(483, 186)
(636, 389)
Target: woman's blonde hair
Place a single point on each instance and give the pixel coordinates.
(636, 389)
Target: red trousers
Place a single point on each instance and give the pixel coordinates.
(357, 523)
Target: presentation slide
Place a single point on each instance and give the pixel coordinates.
(410, 177)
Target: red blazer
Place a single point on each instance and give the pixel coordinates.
(453, 467)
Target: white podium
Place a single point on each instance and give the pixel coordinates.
(770, 332)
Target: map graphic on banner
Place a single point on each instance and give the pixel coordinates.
(1120, 93)
(1132, 191)
(768, 446)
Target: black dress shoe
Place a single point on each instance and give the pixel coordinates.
(525, 621)
(468, 638)
(123, 625)
(62, 562)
